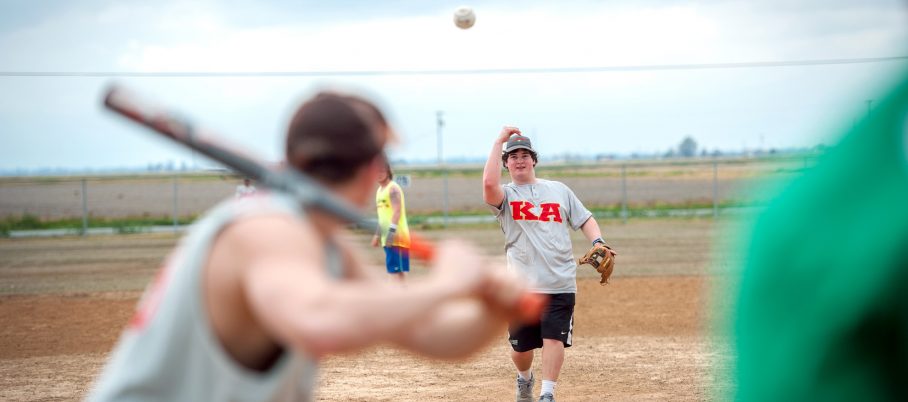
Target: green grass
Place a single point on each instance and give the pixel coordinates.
(136, 224)
(121, 225)
(641, 210)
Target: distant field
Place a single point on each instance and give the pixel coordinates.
(672, 183)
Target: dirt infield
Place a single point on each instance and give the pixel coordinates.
(643, 337)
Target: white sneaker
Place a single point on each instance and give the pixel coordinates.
(525, 389)
(547, 397)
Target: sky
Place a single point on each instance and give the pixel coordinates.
(634, 103)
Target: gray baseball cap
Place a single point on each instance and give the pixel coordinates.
(518, 141)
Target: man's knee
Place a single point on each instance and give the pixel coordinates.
(547, 342)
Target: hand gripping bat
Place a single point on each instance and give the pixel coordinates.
(311, 194)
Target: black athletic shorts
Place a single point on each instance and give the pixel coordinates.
(557, 323)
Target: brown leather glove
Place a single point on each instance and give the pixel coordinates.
(601, 257)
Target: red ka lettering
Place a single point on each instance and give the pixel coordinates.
(520, 210)
(551, 212)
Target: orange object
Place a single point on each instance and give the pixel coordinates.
(421, 248)
(530, 307)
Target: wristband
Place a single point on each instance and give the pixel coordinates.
(392, 228)
(598, 240)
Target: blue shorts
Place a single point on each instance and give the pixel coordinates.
(397, 259)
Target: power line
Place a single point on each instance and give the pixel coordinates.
(481, 71)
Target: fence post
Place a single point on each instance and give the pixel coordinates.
(176, 205)
(715, 189)
(624, 193)
(84, 207)
(445, 174)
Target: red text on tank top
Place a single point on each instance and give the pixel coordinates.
(151, 299)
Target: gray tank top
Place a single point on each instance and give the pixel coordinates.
(535, 219)
(169, 351)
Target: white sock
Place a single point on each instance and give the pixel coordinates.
(525, 375)
(548, 387)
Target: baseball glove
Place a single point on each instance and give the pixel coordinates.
(601, 257)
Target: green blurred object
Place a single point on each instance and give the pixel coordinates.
(822, 313)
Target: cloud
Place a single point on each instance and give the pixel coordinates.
(629, 110)
(505, 38)
(304, 36)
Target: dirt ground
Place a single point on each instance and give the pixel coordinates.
(645, 336)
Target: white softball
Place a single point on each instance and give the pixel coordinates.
(464, 17)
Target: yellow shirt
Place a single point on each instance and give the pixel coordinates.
(383, 202)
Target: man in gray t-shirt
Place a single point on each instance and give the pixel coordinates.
(535, 215)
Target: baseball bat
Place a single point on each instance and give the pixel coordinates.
(529, 306)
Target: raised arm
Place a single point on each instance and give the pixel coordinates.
(492, 193)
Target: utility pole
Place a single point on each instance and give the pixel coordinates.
(444, 171)
(869, 104)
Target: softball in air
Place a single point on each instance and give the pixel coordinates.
(464, 17)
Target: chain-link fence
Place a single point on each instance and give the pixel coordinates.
(127, 202)
(618, 189)
(612, 189)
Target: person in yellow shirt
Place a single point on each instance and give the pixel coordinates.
(393, 233)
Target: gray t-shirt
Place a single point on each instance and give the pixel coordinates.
(535, 219)
(169, 351)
